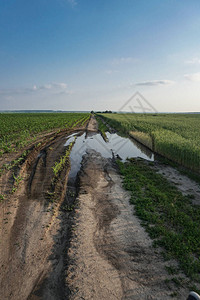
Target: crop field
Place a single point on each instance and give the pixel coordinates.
(175, 136)
(16, 129)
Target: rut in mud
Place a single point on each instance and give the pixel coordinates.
(35, 225)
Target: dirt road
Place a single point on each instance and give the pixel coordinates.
(111, 255)
(34, 228)
(106, 255)
(92, 125)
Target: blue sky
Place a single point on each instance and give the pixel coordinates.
(84, 54)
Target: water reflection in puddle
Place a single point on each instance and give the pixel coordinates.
(70, 139)
(117, 145)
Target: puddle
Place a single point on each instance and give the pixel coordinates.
(117, 145)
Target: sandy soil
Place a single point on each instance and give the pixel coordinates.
(111, 254)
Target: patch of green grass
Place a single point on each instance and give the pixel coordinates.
(172, 270)
(102, 127)
(168, 216)
(2, 197)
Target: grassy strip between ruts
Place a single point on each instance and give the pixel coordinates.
(61, 164)
(169, 217)
(102, 127)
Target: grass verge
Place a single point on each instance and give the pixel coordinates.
(169, 217)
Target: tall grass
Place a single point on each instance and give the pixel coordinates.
(175, 136)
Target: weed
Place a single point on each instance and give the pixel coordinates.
(38, 145)
(68, 208)
(58, 166)
(2, 197)
(17, 180)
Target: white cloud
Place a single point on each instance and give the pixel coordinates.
(60, 85)
(124, 60)
(155, 83)
(193, 77)
(50, 86)
(193, 61)
(54, 87)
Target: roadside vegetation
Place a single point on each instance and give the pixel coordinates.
(170, 219)
(18, 129)
(57, 168)
(175, 136)
(61, 164)
(102, 127)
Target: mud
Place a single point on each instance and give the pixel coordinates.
(92, 125)
(111, 255)
(34, 228)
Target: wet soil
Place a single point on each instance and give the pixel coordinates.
(111, 255)
(34, 228)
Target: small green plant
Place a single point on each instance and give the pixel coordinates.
(17, 180)
(14, 163)
(58, 166)
(38, 145)
(68, 208)
(2, 197)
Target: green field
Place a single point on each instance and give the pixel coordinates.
(17, 129)
(175, 136)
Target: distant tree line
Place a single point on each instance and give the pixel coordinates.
(104, 112)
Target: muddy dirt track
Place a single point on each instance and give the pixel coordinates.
(34, 228)
(111, 255)
(99, 251)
